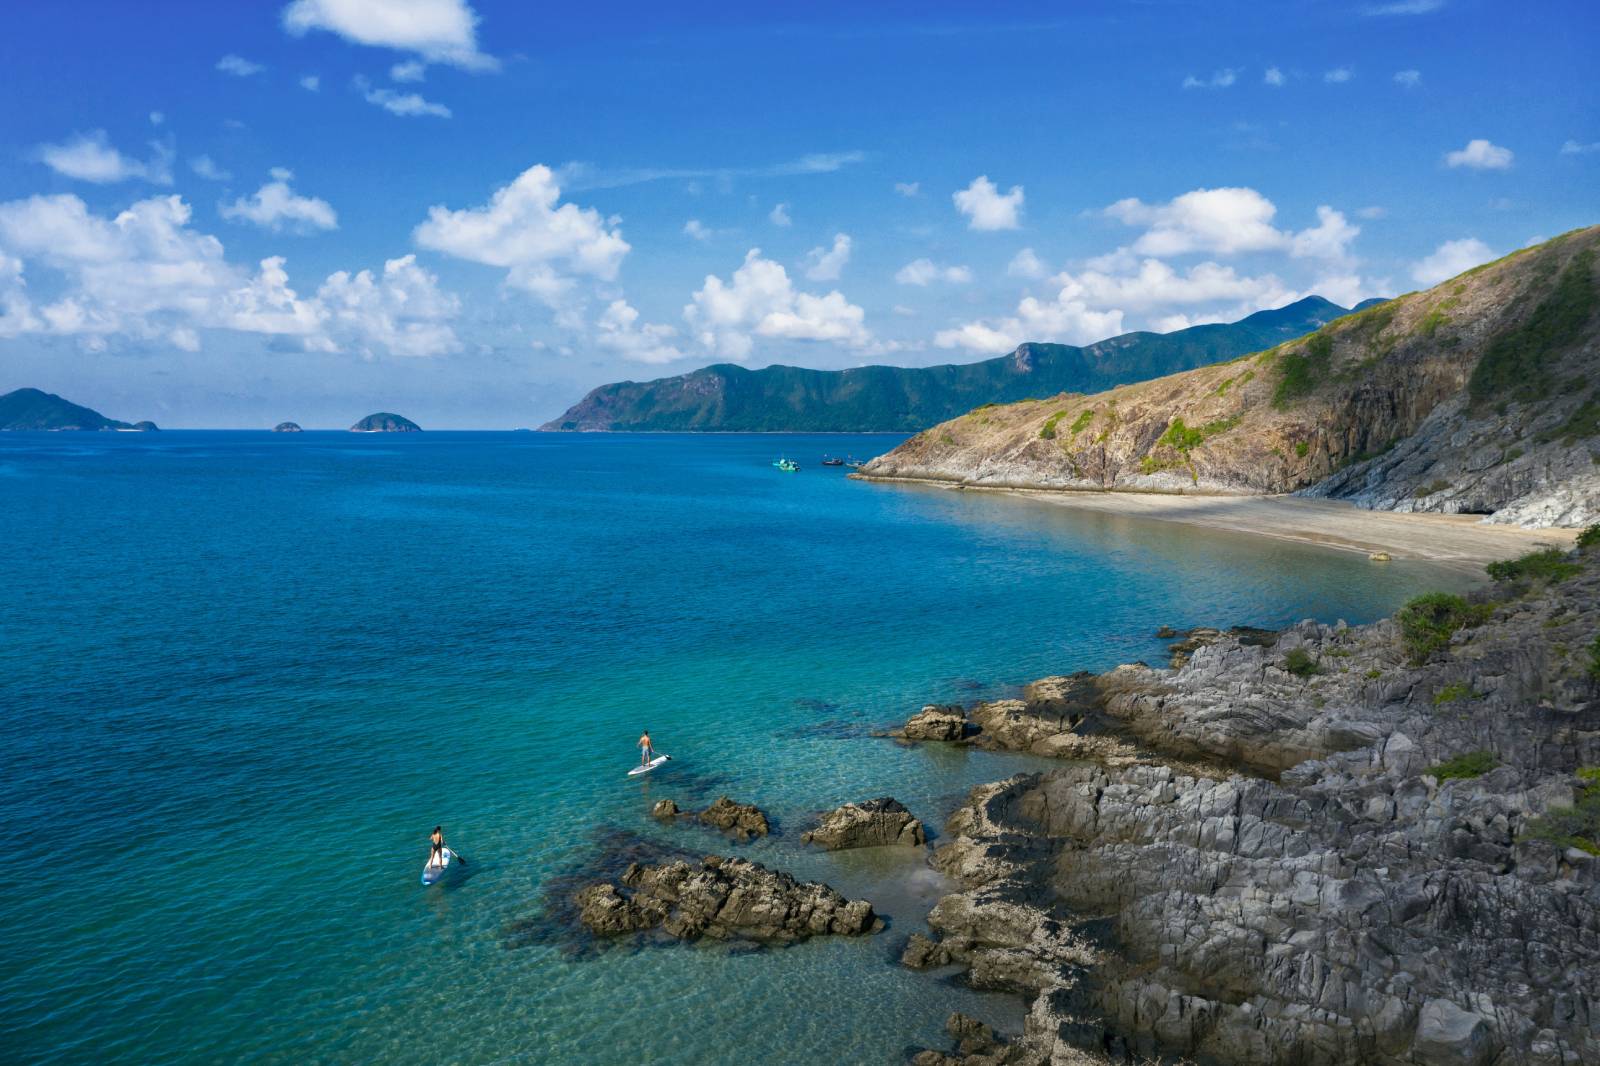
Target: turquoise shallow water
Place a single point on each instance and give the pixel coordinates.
(243, 674)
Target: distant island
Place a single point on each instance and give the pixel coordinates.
(34, 409)
(288, 427)
(384, 422)
(727, 398)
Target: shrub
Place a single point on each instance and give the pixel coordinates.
(1453, 693)
(1181, 438)
(1580, 425)
(1513, 364)
(1432, 321)
(1465, 767)
(1429, 621)
(1048, 430)
(1302, 448)
(1302, 371)
(1594, 658)
(1590, 537)
(1081, 423)
(1374, 674)
(1577, 826)
(1300, 663)
(1550, 564)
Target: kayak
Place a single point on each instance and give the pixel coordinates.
(432, 871)
(638, 771)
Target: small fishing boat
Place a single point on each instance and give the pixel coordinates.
(832, 461)
(788, 466)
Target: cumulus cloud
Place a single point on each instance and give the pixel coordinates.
(438, 31)
(1273, 76)
(1479, 154)
(1450, 259)
(696, 229)
(238, 66)
(1408, 78)
(618, 330)
(924, 272)
(90, 157)
(986, 207)
(1228, 221)
(760, 300)
(544, 245)
(1026, 264)
(1220, 79)
(146, 273)
(908, 188)
(276, 207)
(826, 264)
(1337, 76)
(779, 216)
(406, 105)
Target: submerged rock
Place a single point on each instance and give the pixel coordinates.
(872, 824)
(721, 899)
(664, 809)
(743, 820)
(936, 723)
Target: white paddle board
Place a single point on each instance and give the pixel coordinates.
(434, 871)
(647, 767)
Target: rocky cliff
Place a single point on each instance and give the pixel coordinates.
(727, 398)
(1375, 844)
(1479, 396)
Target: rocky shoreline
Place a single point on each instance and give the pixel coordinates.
(1334, 844)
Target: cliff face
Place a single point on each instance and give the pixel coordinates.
(1481, 395)
(1377, 844)
(729, 398)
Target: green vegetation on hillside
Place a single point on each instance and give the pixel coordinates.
(1577, 826)
(1516, 362)
(1048, 430)
(1549, 564)
(1465, 767)
(1302, 371)
(1300, 663)
(1429, 621)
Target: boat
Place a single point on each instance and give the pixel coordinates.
(831, 461)
(788, 466)
(432, 873)
(855, 464)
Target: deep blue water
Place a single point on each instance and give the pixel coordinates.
(243, 674)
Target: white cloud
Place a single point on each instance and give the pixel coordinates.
(157, 118)
(978, 337)
(1403, 7)
(1025, 264)
(1450, 259)
(825, 264)
(584, 176)
(1273, 76)
(1179, 320)
(1408, 78)
(1228, 221)
(311, 83)
(924, 272)
(779, 216)
(986, 207)
(544, 245)
(406, 105)
(1329, 239)
(1337, 76)
(696, 229)
(146, 274)
(410, 70)
(1572, 147)
(1479, 154)
(1370, 212)
(238, 66)
(1219, 80)
(439, 31)
(276, 207)
(908, 188)
(206, 167)
(1156, 284)
(761, 301)
(90, 157)
(618, 330)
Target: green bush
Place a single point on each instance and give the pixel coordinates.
(1577, 826)
(1304, 370)
(1590, 537)
(1081, 423)
(1514, 362)
(1429, 621)
(1302, 448)
(1465, 767)
(1550, 564)
(1300, 663)
(1432, 321)
(1048, 430)
(1181, 438)
(1453, 693)
(1594, 658)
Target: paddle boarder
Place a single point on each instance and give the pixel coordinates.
(436, 855)
(647, 753)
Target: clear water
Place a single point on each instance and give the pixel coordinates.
(243, 675)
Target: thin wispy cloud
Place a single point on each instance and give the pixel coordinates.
(406, 105)
(1403, 7)
(578, 176)
(1220, 79)
(1572, 147)
(1408, 78)
(1337, 76)
(1273, 77)
(238, 66)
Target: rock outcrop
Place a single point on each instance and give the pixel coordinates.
(721, 899)
(875, 823)
(935, 723)
(665, 809)
(743, 820)
(1478, 396)
(1374, 868)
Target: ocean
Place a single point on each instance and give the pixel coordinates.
(244, 674)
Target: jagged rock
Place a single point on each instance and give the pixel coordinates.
(922, 953)
(872, 824)
(743, 820)
(936, 723)
(665, 809)
(1447, 1035)
(721, 899)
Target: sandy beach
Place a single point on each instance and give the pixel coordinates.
(1463, 542)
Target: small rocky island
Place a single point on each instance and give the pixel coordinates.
(289, 427)
(384, 422)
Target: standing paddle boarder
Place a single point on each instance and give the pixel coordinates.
(436, 855)
(646, 752)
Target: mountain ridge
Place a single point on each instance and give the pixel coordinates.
(32, 409)
(725, 397)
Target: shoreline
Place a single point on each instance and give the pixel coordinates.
(1459, 542)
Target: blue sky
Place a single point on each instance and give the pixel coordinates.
(471, 212)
